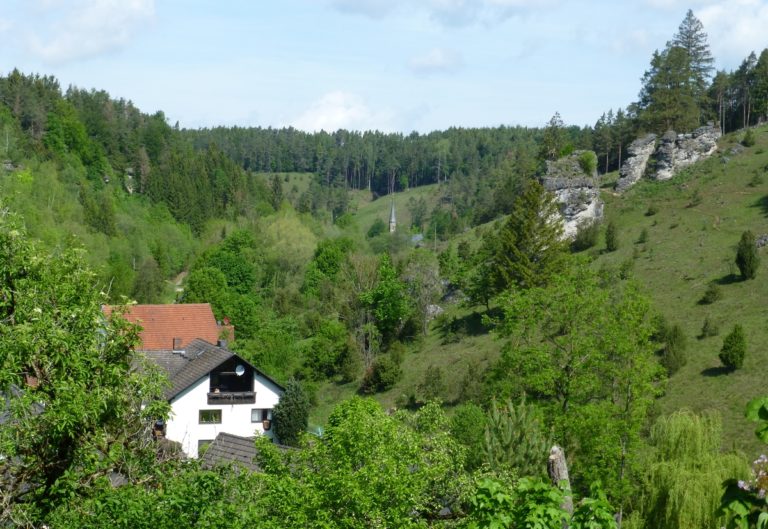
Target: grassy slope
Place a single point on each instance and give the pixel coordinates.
(688, 246)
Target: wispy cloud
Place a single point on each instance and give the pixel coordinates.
(735, 28)
(67, 31)
(451, 13)
(437, 60)
(341, 110)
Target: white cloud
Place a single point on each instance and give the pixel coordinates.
(735, 28)
(86, 28)
(452, 13)
(370, 8)
(437, 60)
(341, 110)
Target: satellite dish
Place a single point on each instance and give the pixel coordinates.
(239, 370)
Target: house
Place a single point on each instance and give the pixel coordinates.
(212, 389)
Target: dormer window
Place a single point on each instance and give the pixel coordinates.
(232, 382)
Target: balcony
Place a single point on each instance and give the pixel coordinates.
(232, 397)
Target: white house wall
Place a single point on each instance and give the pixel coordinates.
(183, 424)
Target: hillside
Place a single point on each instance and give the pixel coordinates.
(691, 244)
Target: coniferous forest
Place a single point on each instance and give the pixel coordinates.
(429, 371)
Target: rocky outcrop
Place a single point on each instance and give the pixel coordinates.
(673, 153)
(634, 167)
(577, 191)
(678, 151)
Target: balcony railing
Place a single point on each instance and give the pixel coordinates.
(232, 397)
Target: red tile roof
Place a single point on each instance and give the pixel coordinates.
(162, 323)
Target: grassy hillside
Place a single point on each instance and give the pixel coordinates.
(691, 242)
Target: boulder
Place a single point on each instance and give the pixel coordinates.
(633, 169)
(678, 151)
(577, 192)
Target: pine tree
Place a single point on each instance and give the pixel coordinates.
(668, 99)
(553, 140)
(747, 258)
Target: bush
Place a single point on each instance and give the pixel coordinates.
(652, 210)
(643, 236)
(709, 328)
(712, 294)
(749, 138)
(588, 162)
(747, 258)
(673, 355)
(291, 414)
(377, 228)
(757, 180)
(734, 348)
(586, 235)
(611, 237)
(432, 385)
(382, 376)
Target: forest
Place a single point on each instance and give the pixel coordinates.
(429, 371)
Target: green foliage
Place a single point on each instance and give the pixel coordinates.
(291, 414)
(514, 439)
(530, 247)
(87, 410)
(673, 355)
(747, 258)
(388, 300)
(327, 349)
(588, 162)
(377, 228)
(468, 428)
(643, 238)
(382, 376)
(734, 348)
(682, 483)
(749, 138)
(587, 235)
(712, 294)
(584, 351)
(326, 262)
(418, 211)
(709, 328)
(652, 210)
(611, 237)
(432, 386)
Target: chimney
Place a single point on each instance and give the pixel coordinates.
(222, 343)
(177, 344)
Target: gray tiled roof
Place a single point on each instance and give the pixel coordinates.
(202, 357)
(228, 448)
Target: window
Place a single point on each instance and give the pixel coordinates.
(260, 415)
(202, 446)
(210, 417)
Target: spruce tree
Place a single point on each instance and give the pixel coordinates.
(530, 245)
(611, 237)
(691, 37)
(747, 258)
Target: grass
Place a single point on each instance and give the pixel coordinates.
(691, 242)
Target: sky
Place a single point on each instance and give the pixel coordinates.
(390, 65)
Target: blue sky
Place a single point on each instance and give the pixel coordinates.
(393, 65)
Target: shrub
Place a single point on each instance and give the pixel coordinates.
(382, 376)
(377, 228)
(588, 162)
(291, 414)
(749, 138)
(652, 210)
(734, 348)
(747, 258)
(643, 236)
(712, 294)
(611, 237)
(709, 328)
(432, 386)
(586, 235)
(756, 181)
(673, 355)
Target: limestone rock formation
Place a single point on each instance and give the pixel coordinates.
(673, 153)
(633, 169)
(678, 151)
(577, 191)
